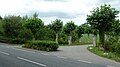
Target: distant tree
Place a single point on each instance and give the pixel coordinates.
(79, 31)
(101, 18)
(87, 29)
(34, 24)
(0, 18)
(35, 15)
(68, 28)
(56, 26)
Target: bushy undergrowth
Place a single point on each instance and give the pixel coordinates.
(112, 45)
(42, 45)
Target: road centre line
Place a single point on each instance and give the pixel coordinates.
(44, 54)
(84, 61)
(23, 50)
(4, 53)
(61, 57)
(31, 61)
(110, 66)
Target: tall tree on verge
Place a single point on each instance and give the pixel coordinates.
(100, 18)
(56, 26)
(34, 24)
(68, 28)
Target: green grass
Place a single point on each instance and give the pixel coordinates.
(109, 55)
(85, 38)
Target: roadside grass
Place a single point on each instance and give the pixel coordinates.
(109, 55)
(85, 38)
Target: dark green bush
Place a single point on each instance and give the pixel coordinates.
(18, 41)
(4, 39)
(112, 45)
(42, 45)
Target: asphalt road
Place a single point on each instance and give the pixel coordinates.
(14, 57)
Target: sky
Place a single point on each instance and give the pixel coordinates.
(49, 10)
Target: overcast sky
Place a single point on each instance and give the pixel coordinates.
(49, 10)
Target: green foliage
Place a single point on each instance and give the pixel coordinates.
(62, 38)
(12, 25)
(69, 27)
(101, 18)
(113, 45)
(1, 18)
(57, 25)
(45, 34)
(80, 31)
(42, 45)
(34, 24)
(4, 39)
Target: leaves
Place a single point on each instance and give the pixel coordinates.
(57, 25)
(69, 27)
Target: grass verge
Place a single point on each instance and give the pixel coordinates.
(109, 55)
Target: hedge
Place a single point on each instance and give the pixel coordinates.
(42, 45)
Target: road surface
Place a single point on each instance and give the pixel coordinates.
(11, 56)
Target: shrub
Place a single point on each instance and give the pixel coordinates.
(4, 39)
(18, 41)
(42, 45)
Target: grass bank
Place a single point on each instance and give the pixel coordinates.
(109, 55)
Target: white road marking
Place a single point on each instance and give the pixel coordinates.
(61, 57)
(44, 54)
(23, 50)
(26, 50)
(110, 66)
(31, 61)
(4, 53)
(84, 61)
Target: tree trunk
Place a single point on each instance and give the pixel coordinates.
(94, 41)
(69, 40)
(88, 37)
(56, 38)
(102, 37)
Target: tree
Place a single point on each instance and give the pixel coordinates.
(87, 29)
(1, 18)
(101, 18)
(80, 31)
(68, 28)
(34, 24)
(56, 26)
(12, 26)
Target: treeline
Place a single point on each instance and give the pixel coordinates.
(16, 29)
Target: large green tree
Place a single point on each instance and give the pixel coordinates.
(101, 18)
(12, 26)
(56, 26)
(34, 24)
(68, 28)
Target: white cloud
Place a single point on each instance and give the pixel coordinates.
(66, 10)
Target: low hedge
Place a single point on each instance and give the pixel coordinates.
(42, 45)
